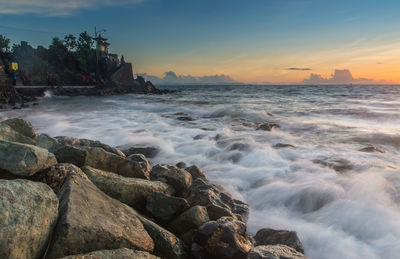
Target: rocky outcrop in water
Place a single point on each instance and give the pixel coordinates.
(99, 203)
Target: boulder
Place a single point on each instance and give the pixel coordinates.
(181, 165)
(224, 238)
(274, 252)
(131, 191)
(56, 175)
(9, 134)
(218, 203)
(165, 207)
(180, 179)
(283, 145)
(71, 155)
(267, 126)
(28, 214)
(196, 173)
(122, 253)
(21, 126)
(72, 141)
(90, 220)
(193, 218)
(147, 151)
(166, 244)
(268, 236)
(23, 159)
(47, 142)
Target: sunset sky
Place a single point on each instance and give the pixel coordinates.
(251, 41)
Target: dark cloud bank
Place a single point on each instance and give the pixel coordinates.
(340, 76)
(172, 78)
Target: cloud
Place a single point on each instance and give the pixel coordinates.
(340, 76)
(56, 7)
(298, 68)
(171, 77)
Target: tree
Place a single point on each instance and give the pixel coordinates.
(85, 43)
(4, 44)
(122, 59)
(70, 42)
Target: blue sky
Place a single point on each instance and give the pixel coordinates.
(252, 41)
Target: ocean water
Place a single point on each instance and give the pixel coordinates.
(344, 203)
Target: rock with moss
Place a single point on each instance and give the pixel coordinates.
(27, 216)
(193, 218)
(90, 220)
(224, 238)
(131, 191)
(275, 252)
(178, 178)
(165, 207)
(47, 142)
(9, 134)
(122, 253)
(268, 236)
(21, 126)
(23, 159)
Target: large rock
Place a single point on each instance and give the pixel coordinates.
(9, 134)
(90, 220)
(166, 244)
(147, 151)
(21, 126)
(71, 155)
(193, 218)
(165, 207)
(56, 175)
(131, 191)
(218, 203)
(196, 173)
(268, 236)
(47, 142)
(274, 252)
(72, 141)
(178, 178)
(28, 213)
(23, 159)
(122, 253)
(224, 238)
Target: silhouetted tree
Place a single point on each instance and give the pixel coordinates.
(70, 42)
(4, 44)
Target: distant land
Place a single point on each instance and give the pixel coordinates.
(171, 78)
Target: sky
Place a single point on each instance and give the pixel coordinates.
(257, 41)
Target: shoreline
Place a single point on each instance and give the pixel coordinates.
(194, 206)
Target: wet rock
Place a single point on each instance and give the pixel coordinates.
(95, 143)
(90, 220)
(47, 142)
(371, 149)
(147, 151)
(193, 218)
(28, 214)
(72, 155)
(268, 236)
(340, 165)
(224, 238)
(131, 191)
(267, 126)
(282, 145)
(274, 252)
(71, 141)
(199, 136)
(181, 165)
(141, 161)
(56, 175)
(166, 244)
(122, 253)
(239, 146)
(185, 118)
(217, 202)
(165, 207)
(23, 159)
(196, 173)
(21, 126)
(9, 134)
(180, 179)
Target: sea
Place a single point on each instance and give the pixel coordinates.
(330, 171)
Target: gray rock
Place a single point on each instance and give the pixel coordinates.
(166, 244)
(267, 126)
(164, 207)
(224, 238)
(131, 191)
(147, 151)
(47, 142)
(193, 218)
(268, 236)
(21, 126)
(9, 134)
(71, 155)
(196, 173)
(283, 145)
(28, 214)
(70, 141)
(56, 175)
(23, 159)
(90, 220)
(180, 179)
(95, 143)
(371, 149)
(122, 253)
(274, 252)
(181, 165)
(218, 203)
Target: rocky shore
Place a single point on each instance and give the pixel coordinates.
(65, 197)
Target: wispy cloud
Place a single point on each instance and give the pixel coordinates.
(298, 68)
(56, 7)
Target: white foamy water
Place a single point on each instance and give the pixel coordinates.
(342, 202)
